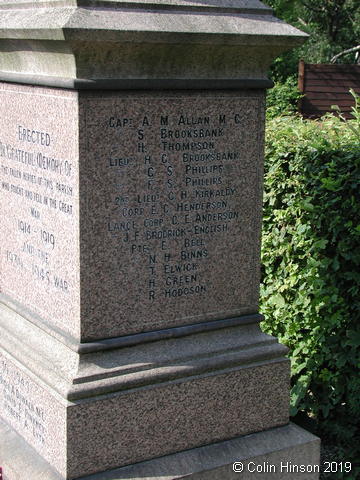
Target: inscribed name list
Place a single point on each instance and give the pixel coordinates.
(170, 209)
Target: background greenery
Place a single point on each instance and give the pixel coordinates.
(311, 264)
(333, 26)
(311, 258)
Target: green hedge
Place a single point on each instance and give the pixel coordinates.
(283, 98)
(310, 294)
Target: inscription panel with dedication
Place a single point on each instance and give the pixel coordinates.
(170, 209)
(28, 406)
(39, 202)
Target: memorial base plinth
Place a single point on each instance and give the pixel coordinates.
(276, 454)
(100, 410)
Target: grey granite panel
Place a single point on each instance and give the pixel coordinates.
(137, 40)
(135, 83)
(248, 6)
(70, 23)
(288, 444)
(132, 58)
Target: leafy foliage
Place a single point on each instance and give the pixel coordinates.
(333, 26)
(283, 98)
(311, 266)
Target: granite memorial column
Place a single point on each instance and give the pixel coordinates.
(131, 149)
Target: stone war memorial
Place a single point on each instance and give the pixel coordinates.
(131, 148)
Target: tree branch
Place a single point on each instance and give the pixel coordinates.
(344, 52)
(302, 22)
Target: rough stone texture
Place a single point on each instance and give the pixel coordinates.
(169, 201)
(238, 5)
(33, 411)
(189, 40)
(75, 376)
(135, 426)
(266, 450)
(93, 261)
(39, 236)
(157, 230)
(156, 225)
(127, 425)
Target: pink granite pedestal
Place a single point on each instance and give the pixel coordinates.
(134, 221)
(131, 149)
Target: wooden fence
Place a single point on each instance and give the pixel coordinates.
(324, 85)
